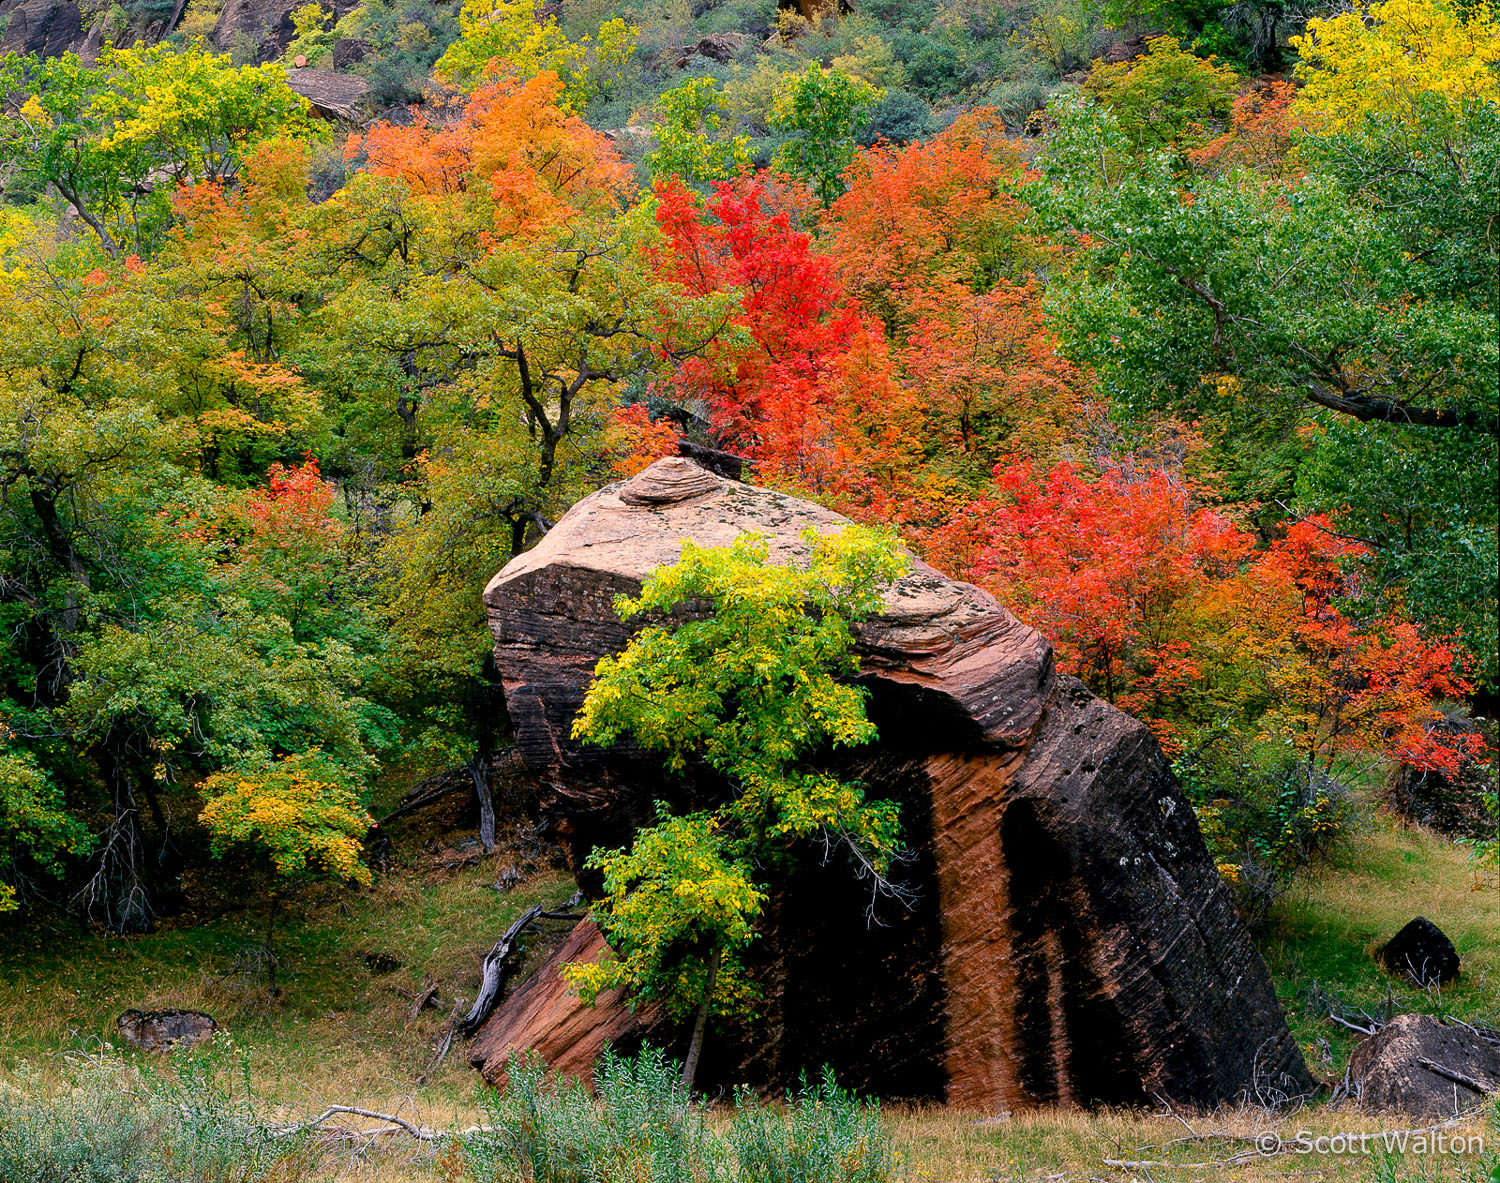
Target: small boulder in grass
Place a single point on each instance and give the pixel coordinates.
(1421, 952)
(1421, 1068)
(163, 1030)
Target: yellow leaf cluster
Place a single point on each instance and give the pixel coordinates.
(305, 823)
(1384, 59)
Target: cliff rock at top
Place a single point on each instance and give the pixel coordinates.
(1068, 939)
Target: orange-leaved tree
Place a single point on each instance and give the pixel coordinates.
(927, 218)
(1166, 608)
(1299, 643)
(1107, 568)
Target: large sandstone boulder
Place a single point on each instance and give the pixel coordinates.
(1068, 940)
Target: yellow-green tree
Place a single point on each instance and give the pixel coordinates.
(300, 812)
(115, 139)
(1382, 59)
(752, 689)
(1165, 99)
(36, 830)
(690, 137)
(819, 110)
(515, 34)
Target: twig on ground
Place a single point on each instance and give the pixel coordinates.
(1477, 1086)
(420, 1002)
(1373, 1029)
(444, 1044)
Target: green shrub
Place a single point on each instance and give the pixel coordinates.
(824, 1135)
(639, 1126)
(1263, 815)
(1485, 851)
(934, 67)
(899, 118)
(1015, 101)
(107, 1121)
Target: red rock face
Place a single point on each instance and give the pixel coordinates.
(556, 1024)
(1068, 940)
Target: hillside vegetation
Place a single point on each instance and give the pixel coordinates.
(1172, 325)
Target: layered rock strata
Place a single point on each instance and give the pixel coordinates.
(1067, 939)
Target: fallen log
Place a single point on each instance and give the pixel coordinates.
(496, 966)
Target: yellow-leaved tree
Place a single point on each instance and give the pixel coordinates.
(515, 34)
(1383, 59)
(300, 812)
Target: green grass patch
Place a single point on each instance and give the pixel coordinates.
(1339, 912)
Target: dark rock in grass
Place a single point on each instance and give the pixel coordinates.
(163, 1030)
(1418, 1067)
(1068, 939)
(1422, 952)
(381, 962)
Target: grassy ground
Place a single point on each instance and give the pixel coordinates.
(1338, 914)
(352, 964)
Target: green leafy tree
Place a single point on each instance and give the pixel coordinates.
(105, 136)
(1164, 99)
(751, 688)
(821, 110)
(1360, 298)
(690, 139)
(162, 626)
(36, 829)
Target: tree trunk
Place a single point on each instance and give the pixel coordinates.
(700, 1023)
(487, 704)
(479, 770)
(270, 952)
(117, 894)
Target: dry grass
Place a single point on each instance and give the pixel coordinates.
(340, 1032)
(941, 1145)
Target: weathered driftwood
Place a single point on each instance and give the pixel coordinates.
(497, 965)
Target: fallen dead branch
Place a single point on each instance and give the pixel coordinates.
(496, 966)
(420, 1002)
(443, 1045)
(394, 1124)
(1483, 1088)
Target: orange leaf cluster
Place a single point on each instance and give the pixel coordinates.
(511, 144)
